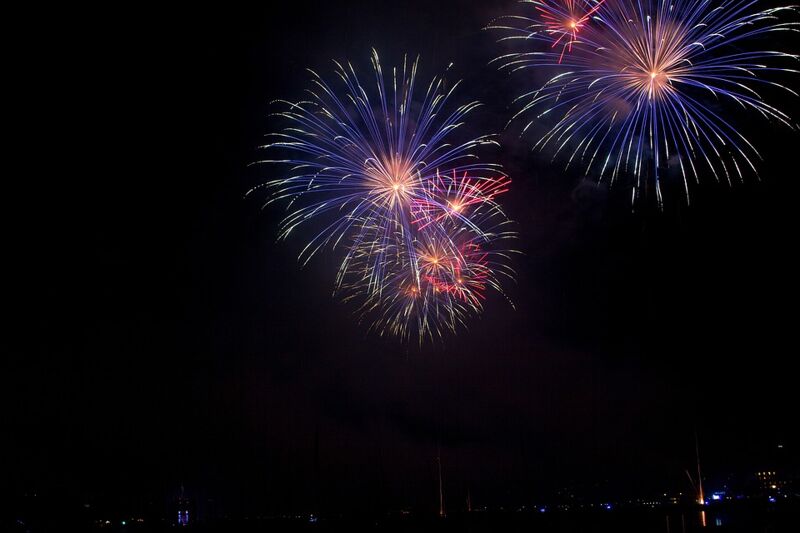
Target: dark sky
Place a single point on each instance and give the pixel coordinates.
(159, 335)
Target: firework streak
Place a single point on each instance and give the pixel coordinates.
(374, 170)
(640, 86)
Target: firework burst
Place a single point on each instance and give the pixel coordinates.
(429, 289)
(644, 85)
(374, 170)
(556, 22)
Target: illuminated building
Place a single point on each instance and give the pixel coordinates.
(183, 509)
(768, 481)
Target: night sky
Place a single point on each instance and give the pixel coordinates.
(158, 335)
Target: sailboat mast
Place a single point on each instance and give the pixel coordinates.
(700, 495)
(441, 489)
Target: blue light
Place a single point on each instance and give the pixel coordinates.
(542, 509)
(772, 499)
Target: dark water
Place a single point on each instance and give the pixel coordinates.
(742, 519)
(633, 522)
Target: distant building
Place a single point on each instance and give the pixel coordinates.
(769, 481)
(184, 510)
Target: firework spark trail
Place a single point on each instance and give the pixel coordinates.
(644, 81)
(375, 171)
(458, 197)
(431, 295)
(556, 22)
